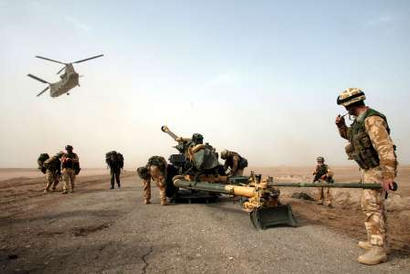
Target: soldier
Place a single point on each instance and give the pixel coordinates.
(323, 173)
(234, 161)
(53, 171)
(156, 170)
(115, 162)
(371, 147)
(71, 168)
(143, 173)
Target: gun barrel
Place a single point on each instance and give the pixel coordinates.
(169, 132)
(243, 191)
(334, 185)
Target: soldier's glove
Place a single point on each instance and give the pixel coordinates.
(340, 121)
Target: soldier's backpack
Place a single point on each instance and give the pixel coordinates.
(120, 160)
(40, 161)
(205, 158)
(108, 156)
(242, 163)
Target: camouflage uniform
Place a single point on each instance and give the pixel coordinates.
(53, 172)
(324, 194)
(235, 162)
(115, 162)
(70, 162)
(155, 170)
(372, 201)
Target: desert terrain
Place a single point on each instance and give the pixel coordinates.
(97, 230)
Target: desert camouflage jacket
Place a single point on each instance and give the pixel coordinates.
(376, 127)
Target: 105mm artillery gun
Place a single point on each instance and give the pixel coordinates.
(261, 197)
(195, 158)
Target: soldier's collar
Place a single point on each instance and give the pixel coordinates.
(361, 116)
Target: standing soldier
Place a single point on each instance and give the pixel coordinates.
(71, 168)
(115, 162)
(156, 170)
(53, 171)
(323, 173)
(371, 147)
(234, 161)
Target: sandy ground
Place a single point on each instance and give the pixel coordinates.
(97, 230)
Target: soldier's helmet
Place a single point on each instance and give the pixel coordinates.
(320, 159)
(59, 154)
(197, 138)
(224, 154)
(68, 147)
(350, 96)
(143, 172)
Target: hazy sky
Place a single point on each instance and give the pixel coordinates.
(257, 77)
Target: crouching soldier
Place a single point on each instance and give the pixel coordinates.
(155, 170)
(234, 162)
(115, 162)
(322, 173)
(53, 171)
(71, 168)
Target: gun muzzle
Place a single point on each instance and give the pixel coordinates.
(170, 133)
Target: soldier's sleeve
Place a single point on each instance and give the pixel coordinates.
(226, 165)
(376, 128)
(329, 172)
(314, 171)
(343, 131)
(235, 162)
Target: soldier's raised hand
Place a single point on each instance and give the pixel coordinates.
(340, 120)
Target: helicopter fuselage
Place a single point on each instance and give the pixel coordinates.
(68, 81)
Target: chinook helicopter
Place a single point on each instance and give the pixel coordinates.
(69, 79)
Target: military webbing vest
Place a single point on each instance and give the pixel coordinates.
(321, 170)
(362, 150)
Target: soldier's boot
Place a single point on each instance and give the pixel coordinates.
(112, 187)
(164, 202)
(147, 202)
(64, 191)
(364, 244)
(375, 255)
(46, 190)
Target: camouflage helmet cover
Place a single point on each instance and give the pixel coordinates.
(350, 96)
(68, 147)
(320, 159)
(197, 138)
(59, 154)
(224, 154)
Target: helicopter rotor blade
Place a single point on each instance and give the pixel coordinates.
(48, 59)
(44, 90)
(38, 79)
(83, 60)
(61, 70)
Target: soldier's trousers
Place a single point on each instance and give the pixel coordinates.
(372, 203)
(69, 179)
(115, 177)
(51, 179)
(324, 195)
(147, 190)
